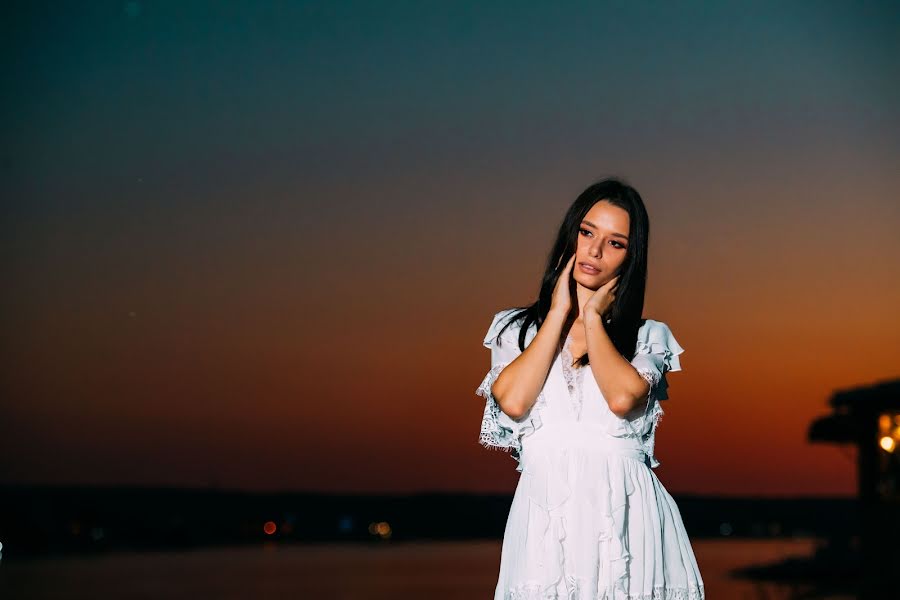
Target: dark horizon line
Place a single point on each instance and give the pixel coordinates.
(364, 494)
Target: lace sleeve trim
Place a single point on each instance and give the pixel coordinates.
(653, 412)
(499, 431)
(574, 378)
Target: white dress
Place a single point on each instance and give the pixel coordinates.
(589, 518)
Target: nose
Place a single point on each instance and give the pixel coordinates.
(595, 249)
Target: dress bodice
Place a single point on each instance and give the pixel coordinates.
(570, 398)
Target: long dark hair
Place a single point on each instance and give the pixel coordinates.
(628, 306)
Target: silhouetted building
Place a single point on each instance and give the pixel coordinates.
(869, 418)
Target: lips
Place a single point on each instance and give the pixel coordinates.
(589, 268)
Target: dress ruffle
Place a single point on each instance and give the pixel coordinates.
(656, 340)
(499, 430)
(601, 501)
(593, 561)
(656, 353)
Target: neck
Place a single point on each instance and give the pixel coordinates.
(583, 295)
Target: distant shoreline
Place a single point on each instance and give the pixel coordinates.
(45, 520)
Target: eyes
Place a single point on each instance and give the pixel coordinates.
(616, 244)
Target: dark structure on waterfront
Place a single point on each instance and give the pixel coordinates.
(869, 418)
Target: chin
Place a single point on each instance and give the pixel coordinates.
(591, 283)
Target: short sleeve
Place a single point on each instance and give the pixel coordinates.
(505, 348)
(499, 430)
(656, 353)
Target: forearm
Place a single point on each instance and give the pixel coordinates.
(622, 387)
(521, 381)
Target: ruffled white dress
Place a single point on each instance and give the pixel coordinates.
(589, 518)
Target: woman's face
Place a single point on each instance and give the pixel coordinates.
(602, 243)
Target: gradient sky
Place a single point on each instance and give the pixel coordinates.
(257, 245)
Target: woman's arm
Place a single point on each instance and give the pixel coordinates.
(619, 382)
(518, 386)
(519, 383)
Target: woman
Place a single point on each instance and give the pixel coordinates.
(573, 391)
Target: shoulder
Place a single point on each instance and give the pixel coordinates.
(653, 330)
(499, 321)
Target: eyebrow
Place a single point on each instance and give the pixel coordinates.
(625, 237)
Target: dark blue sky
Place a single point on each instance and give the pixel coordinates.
(233, 227)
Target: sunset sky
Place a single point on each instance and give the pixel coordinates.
(257, 245)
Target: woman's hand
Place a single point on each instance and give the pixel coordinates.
(562, 294)
(601, 300)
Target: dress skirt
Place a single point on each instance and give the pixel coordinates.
(590, 520)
